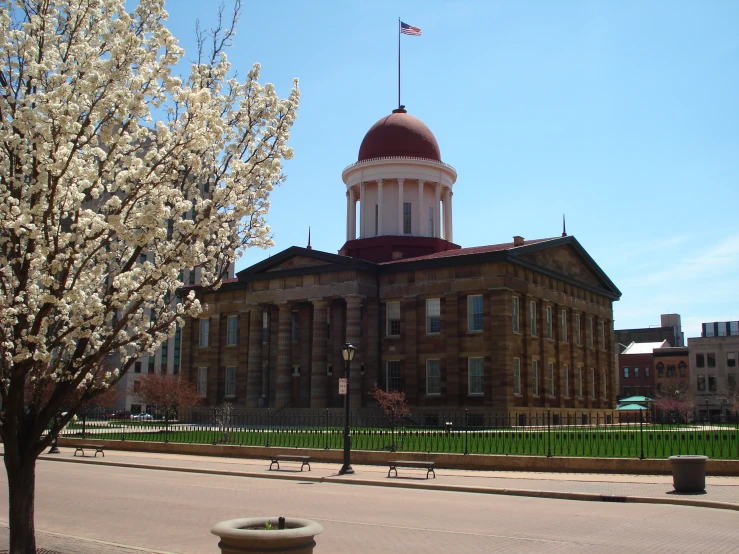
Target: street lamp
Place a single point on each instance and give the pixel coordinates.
(347, 352)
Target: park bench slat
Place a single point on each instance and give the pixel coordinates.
(428, 466)
(304, 460)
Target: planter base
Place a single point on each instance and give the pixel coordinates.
(248, 535)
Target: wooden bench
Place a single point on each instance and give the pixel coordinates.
(428, 466)
(304, 460)
(96, 447)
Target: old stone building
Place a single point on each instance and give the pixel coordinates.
(516, 326)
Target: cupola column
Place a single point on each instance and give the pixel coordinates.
(448, 217)
(348, 216)
(419, 210)
(437, 213)
(380, 230)
(362, 210)
(400, 206)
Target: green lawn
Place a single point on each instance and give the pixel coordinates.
(716, 442)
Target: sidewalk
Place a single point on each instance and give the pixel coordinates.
(721, 492)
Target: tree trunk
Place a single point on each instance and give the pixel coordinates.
(21, 492)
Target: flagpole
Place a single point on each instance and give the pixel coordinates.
(398, 62)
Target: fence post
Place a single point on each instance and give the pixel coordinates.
(641, 433)
(549, 433)
(269, 425)
(84, 416)
(466, 432)
(327, 416)
(166, 425)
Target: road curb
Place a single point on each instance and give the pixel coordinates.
(391, 483)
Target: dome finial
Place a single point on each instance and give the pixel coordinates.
(400, 109)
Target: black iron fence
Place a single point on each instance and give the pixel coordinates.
(540, 433)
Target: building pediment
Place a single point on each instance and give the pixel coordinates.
(300, 261)
(566, 259)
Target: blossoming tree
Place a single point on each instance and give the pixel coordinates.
(106, 155)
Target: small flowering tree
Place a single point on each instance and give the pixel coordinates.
(675, 399)
(393, 404)
(166, 391)
(115, 175)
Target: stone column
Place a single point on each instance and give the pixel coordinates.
(445, 209)
(380, 230)
(352, 214)
(437, 214)
(400, 206)
(318, 355)
(353, 309)
(254, 358)
(348, 216)
(450, 237)
(419, 224)
(362, 210)
(284, 350)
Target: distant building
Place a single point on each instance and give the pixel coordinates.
(636, 369)
(670, 329)
(671, 371)
(720, 329)
(713, 365)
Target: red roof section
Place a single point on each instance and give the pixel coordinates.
(470, 251)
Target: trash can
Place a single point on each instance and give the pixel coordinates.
(689, 473)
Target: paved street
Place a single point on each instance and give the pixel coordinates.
(145, 510)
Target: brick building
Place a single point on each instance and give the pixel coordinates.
(514, 326)
(636, 363)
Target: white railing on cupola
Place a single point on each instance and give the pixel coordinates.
(399, 158)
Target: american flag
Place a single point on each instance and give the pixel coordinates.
(409, 30)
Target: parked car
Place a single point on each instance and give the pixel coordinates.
(142, 417)
(120, 414)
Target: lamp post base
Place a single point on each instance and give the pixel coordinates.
(346, 469)
(53, 449)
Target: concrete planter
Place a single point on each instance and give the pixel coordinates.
(248, 535)
(689, 473)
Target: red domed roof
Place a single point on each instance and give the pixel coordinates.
(399, 134)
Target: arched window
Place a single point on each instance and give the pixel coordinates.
(660, 369)
(683, 368)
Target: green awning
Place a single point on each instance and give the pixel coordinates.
(631, 407)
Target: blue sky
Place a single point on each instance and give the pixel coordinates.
(622, 115)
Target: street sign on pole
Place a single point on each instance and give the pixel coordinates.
(342, 386)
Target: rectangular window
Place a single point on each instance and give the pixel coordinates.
(232, 324)
(377, 220)
(202, 382)
(550, 369)
(602, 335)
(230, 382)
(578, 335)
(137, 367)
(637, 390)
(204, 331)
(603, 389)
(701, 382)
(177, 348)
(566, 380)
(516, 321)
(579, 382)
(191, 277)
(164, 357)
(712, 383)
(393, 319)
(532, 317)
(265, 327)
(564, 326)
(647, 371)
(535, 378)
(431, 221)
(433, 315)
(647, 391)
(590, 332)
(731, 380)
(709, 329)
(475, 367)
(474, 313)
(721, 328)
(627, 392)
(151, 364)
(592, 383)
(730, 359)
(393, 375)
(516, 376)
(406, 218)
(636, 373)
(734, 328)
(711, 359)
(626, 372)
(700, 360)
(433, 377)
(549, 322)
(294, 325)
(142, 258)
